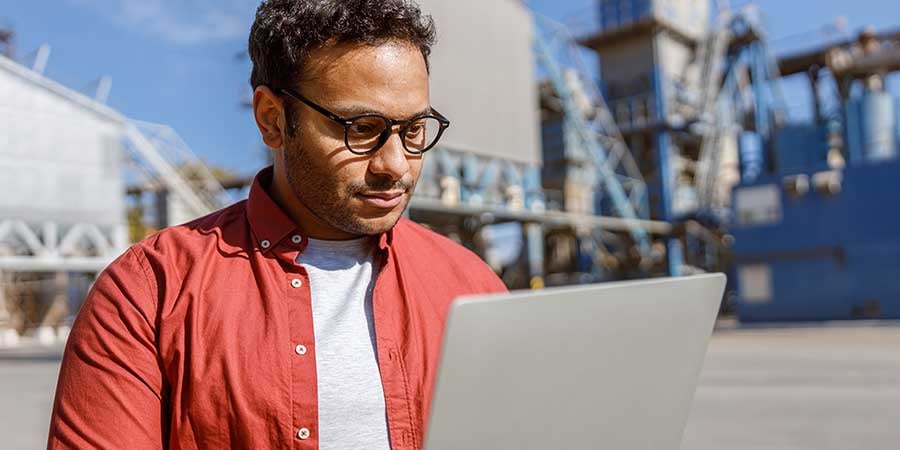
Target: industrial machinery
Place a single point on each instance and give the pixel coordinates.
(672, 154)
(678, 85)
(63, 209)
(817, 231)
(799, 212)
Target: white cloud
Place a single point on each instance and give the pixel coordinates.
(179, 21)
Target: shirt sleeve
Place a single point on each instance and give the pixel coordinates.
(110, 388)
(492, 283)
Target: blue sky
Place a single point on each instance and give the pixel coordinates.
(174, 61)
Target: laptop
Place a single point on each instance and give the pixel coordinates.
(610, 366)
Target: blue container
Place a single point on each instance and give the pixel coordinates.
(800, 148)
(872, 128)
(822, 256)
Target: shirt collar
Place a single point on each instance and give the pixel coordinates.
(270, 224)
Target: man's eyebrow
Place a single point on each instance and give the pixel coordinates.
(349, 112)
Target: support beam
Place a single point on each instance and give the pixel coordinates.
(534, 245)
(546, 218)
(53, 264)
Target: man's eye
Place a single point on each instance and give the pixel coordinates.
(415, 129)
(362, 128)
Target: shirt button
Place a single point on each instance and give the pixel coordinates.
(265, 243)
(296, 282)
(303, 433)
(300, 349)
(296, 239)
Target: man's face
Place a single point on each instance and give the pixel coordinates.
(354, 194)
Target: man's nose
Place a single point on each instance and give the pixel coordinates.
(391, 159)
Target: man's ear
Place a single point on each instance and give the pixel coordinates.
(268, 110)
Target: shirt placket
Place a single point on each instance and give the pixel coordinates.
(301, 348)
(390, 363)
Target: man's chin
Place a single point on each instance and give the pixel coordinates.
(368, 222)
(380, 224)
(364, 219)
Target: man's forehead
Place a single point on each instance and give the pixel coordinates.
(391, 60)
(390, 78)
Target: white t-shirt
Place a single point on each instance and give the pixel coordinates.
(351, 397)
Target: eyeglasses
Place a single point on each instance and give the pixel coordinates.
(367, 133)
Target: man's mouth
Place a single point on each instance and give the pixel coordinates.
(383, 200)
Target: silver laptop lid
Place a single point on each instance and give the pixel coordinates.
(610, 366)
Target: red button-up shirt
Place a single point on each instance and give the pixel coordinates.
(194, 338)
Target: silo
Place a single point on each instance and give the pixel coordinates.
(62, 209)
(60, 158)
(872, 128)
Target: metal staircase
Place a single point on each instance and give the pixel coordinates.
(165, 160)
(719, 78)
(712, 54)
(708, 167)
(594, 127)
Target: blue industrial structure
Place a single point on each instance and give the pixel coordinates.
(828, 251)
(679, 159)
(672, 99)
(817, 231)
(798, 212)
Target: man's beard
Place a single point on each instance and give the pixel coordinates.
(318, 190)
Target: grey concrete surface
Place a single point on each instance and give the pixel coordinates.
(833, 387)
(800, 388)
(27, 383)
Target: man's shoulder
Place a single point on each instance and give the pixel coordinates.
(224, 229)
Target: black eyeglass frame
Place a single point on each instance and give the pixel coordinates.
(346, 122)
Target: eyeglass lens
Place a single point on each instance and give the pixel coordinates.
(365, 133)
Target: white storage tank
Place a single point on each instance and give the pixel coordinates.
(60, 154)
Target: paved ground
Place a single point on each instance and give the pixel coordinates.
(27, 381)
(818, 388)
(823, 388)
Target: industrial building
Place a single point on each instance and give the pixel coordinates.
(65, 161)
(797, 212)
(62, 213)
(668, 152)
(817, 234)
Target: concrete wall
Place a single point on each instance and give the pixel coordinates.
(483, 77)
(58, 160)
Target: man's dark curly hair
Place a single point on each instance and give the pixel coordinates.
(286, 31)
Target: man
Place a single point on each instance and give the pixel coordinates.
(311, 315)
